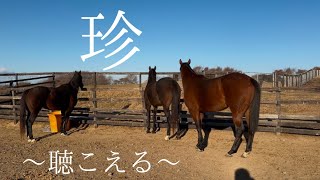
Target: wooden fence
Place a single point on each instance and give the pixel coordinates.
(296, 80)
(121, 104)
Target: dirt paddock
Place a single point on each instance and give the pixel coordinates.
(274, 156)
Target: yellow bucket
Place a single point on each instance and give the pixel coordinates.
(55, 121)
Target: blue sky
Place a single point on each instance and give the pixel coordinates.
(252, 36)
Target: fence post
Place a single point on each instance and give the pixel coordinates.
(14, 106)
(285, 81)
(17, 83)
(278, 108)
(53, 80)
(140, 81)
(144, 108)
(273, 80)
(300, 80)
(176, 77)
(14, 100)
(94, 97)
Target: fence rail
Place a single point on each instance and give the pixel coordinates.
(297, 80)
(95, 111)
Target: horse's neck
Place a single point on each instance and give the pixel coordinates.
(188, 74)
(74, 85)
(152, 80)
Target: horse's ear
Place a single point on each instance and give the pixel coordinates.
(180, 61)
(149, 68)
(80, 72)
(155, 67)
(189, 61)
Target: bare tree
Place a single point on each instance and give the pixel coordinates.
(129, 79)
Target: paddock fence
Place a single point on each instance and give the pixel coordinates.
(296, 80)
(116, 98)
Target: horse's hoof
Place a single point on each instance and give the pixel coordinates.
(31, 140)
(64, 134)
(153, 132)
(148, 132)
(245, 154)
(199, 149)
(167, 138)
(178, 138)
(229, 155)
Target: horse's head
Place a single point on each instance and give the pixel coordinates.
(185, 64)
(76, 81)
(152, 74)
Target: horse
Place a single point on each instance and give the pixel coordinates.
(62, 98)
(237, 91)
(164, 92)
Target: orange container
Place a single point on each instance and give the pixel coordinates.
(55, 121)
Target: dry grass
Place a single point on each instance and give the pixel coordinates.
(128, 96)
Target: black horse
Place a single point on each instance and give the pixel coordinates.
(164, 92)
(62, 98)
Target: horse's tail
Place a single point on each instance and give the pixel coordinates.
(175, 108)
(255, 108)
(23, 109)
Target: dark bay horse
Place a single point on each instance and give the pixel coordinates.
(62, 98)
(237, 91)
(164, 92)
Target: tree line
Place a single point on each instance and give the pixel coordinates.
(219, 70)
(101, 79)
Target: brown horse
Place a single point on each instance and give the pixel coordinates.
(62, 98)
(237, 91)
(164, 92)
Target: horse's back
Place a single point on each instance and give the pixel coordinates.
(167, 84)
(236, 84)
(238, 89)
(216, 94)
(36, 97)
(167, 89)
(38, 92)
(162, 91)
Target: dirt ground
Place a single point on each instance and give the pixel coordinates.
(274, 156)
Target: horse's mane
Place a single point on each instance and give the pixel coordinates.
(73, 82)
(193, 72)
(152, 77)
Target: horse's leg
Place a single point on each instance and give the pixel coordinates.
(234, 131)
(246, 129)
(249, 136)
(154, 119)
(237, 120)
(237, 141)
(167, 113)
(30, 121)
(64, 121)
(249, 145)
(148, 119)
(207, 131)
(197, 119)
(27, 124)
